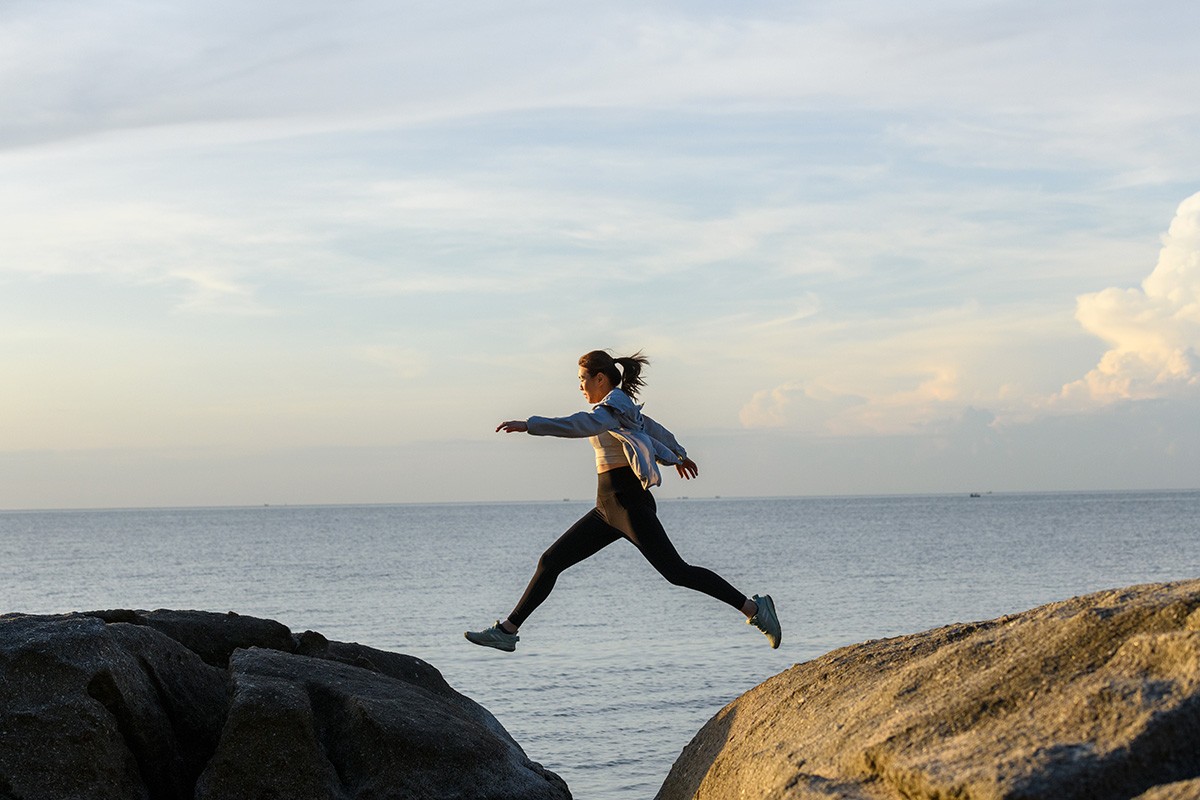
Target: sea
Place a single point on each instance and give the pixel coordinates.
(618, 670)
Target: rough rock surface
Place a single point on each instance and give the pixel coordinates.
(187, 704)
(1094, 698)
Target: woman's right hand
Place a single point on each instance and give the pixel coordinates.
(513, 426)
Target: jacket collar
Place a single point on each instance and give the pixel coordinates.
(629, 412)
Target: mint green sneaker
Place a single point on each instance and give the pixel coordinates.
(766, 620)
(496, 637)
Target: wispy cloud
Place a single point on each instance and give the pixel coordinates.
(210, 293)
(1014, 80)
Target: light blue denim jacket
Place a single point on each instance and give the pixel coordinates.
(647, 444)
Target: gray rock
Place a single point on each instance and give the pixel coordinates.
(1094, 698)
(331, 718)
(102, 711)
(211, 636)
(187, 704)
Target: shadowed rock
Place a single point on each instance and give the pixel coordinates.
(1095, 698)
(98, 711)
(188, 704)
(211, 636)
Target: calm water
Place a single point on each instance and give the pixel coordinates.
(617, 671)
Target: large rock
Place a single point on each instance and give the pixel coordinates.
(185, 704)
(1093, 698)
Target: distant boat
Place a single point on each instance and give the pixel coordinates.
(976, 494)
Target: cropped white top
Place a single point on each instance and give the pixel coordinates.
(610, 453)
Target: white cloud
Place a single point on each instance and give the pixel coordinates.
(813, 408)
(807, 305)
(1154, 331)
(796, 406)
(209, 293)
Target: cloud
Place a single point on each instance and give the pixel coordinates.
(208, 293)
(797, 406)
(1017, 77)
(807, 305)
(1154, 331)
(813, 408)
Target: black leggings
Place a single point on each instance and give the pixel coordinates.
(624, 509)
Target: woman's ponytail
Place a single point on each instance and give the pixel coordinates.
(624, 372)
(631, 372)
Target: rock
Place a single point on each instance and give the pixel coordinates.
(331, 716)
(211, 636)
(1094, 698)
(187, 704)
(99, 711)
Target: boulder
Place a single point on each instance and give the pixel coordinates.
(1094, 698)
(187, 704)
(211, 636)
(102, 711)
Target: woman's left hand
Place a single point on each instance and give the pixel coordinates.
(687, 469)
(513, 426)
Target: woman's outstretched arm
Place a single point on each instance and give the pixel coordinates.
(576, 426)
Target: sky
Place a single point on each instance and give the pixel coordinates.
(308, 252)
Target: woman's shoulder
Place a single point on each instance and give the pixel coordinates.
(619, 401)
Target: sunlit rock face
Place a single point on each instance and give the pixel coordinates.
(1092, 698)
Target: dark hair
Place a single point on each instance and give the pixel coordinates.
(628, 377)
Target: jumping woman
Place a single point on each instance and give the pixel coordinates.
(629, 446)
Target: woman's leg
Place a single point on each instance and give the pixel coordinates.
(645, 531)
(584, 539)
(635, 514)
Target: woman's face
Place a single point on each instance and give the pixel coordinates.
(594, 387)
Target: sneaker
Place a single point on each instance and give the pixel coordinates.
(766, 621)
(497, 637)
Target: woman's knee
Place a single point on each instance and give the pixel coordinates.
(550, 563)
(681, 574)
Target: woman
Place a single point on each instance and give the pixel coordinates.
(629, 446)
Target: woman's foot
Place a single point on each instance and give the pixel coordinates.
(494, 636)
(766, 620)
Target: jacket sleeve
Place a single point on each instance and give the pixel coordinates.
(576, 426)
(663, 436)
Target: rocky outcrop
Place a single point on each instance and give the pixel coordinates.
(1095, 698)
(118, 705)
